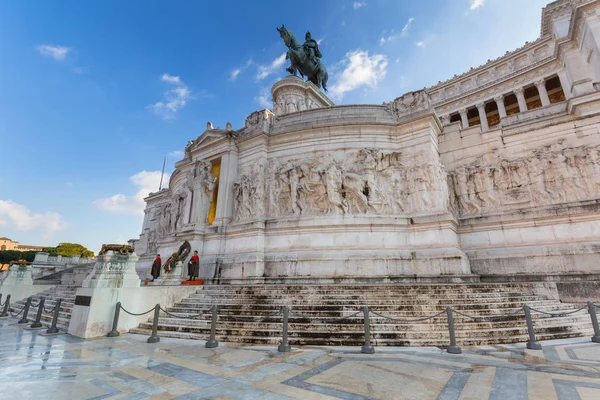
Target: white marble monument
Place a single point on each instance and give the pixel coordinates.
(492, 173)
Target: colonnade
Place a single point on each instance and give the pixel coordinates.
(519, 92)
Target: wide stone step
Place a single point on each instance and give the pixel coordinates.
(359, 341)
(366, 299)
(252, 314)
(390, 293)
(357, 303)
(382, 313)
(355, 323)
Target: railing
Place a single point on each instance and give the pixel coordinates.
(367, 348)
(41, 309)
(284, 345)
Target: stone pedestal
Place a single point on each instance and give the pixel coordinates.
(18, 275)
(292, 94)
(18, 282)
(113, 279)
(174, 277)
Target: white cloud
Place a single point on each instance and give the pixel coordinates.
(58, 53)
(264, 98)
(420, 44)
(407, 26)
(17, 216)
(173, 99)
(170, 79)
(235, 73)
(145, 182)
(359, 4)
(475, 4)
(176, 153)
(265, 70)
(383, 40)
(360, 69)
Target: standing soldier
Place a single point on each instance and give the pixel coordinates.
(194, 266)
(156, 267)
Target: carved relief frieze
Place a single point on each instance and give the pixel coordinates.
(367, 181)
(409, 103)
(546, 176)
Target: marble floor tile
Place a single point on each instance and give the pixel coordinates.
(37, 367)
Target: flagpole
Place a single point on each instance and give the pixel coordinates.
(162, 173)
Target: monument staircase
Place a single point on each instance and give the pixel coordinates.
(251, 314)
(64, 292)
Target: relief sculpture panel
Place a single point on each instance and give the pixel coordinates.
(367, 181)
(547, 176)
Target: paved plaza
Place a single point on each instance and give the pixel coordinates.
(33, 366)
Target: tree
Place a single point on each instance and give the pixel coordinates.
(68, 250)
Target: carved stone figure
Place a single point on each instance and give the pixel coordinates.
(546, 176)
(409, 103)
(202, 183)
(538, 182)
(249, 194)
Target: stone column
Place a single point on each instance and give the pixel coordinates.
(500, 103)
(463, 118)
(521, 99)
(229, 162)
(541, 87)
(482, 116)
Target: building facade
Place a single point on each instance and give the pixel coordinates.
(8, 244)
(492, 174)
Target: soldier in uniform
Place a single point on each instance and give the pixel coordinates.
(155, 272)
(194, 266)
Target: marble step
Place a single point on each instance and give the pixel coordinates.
(357, 323)
(332, 299)
(356, 294)
(471, 309)
(409, 305)
(334, 341)
(414, 286)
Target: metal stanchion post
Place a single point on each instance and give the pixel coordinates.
(531, 344)
(38, 316)
(453, 348)
(53, 328)
(592, 309)
(367, 348)
(23, 319)
(115, 331)
(212, 342)
(284, 346)
(6, 305)
(154, 337)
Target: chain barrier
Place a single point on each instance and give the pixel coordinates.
(492, 318)
(17, 314)
(561, 314)
(201, 314)
(134, 314)
(51, 311)
(408, 320)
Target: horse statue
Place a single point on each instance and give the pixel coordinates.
(304, 59)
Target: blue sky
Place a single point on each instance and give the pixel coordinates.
(93, 94)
